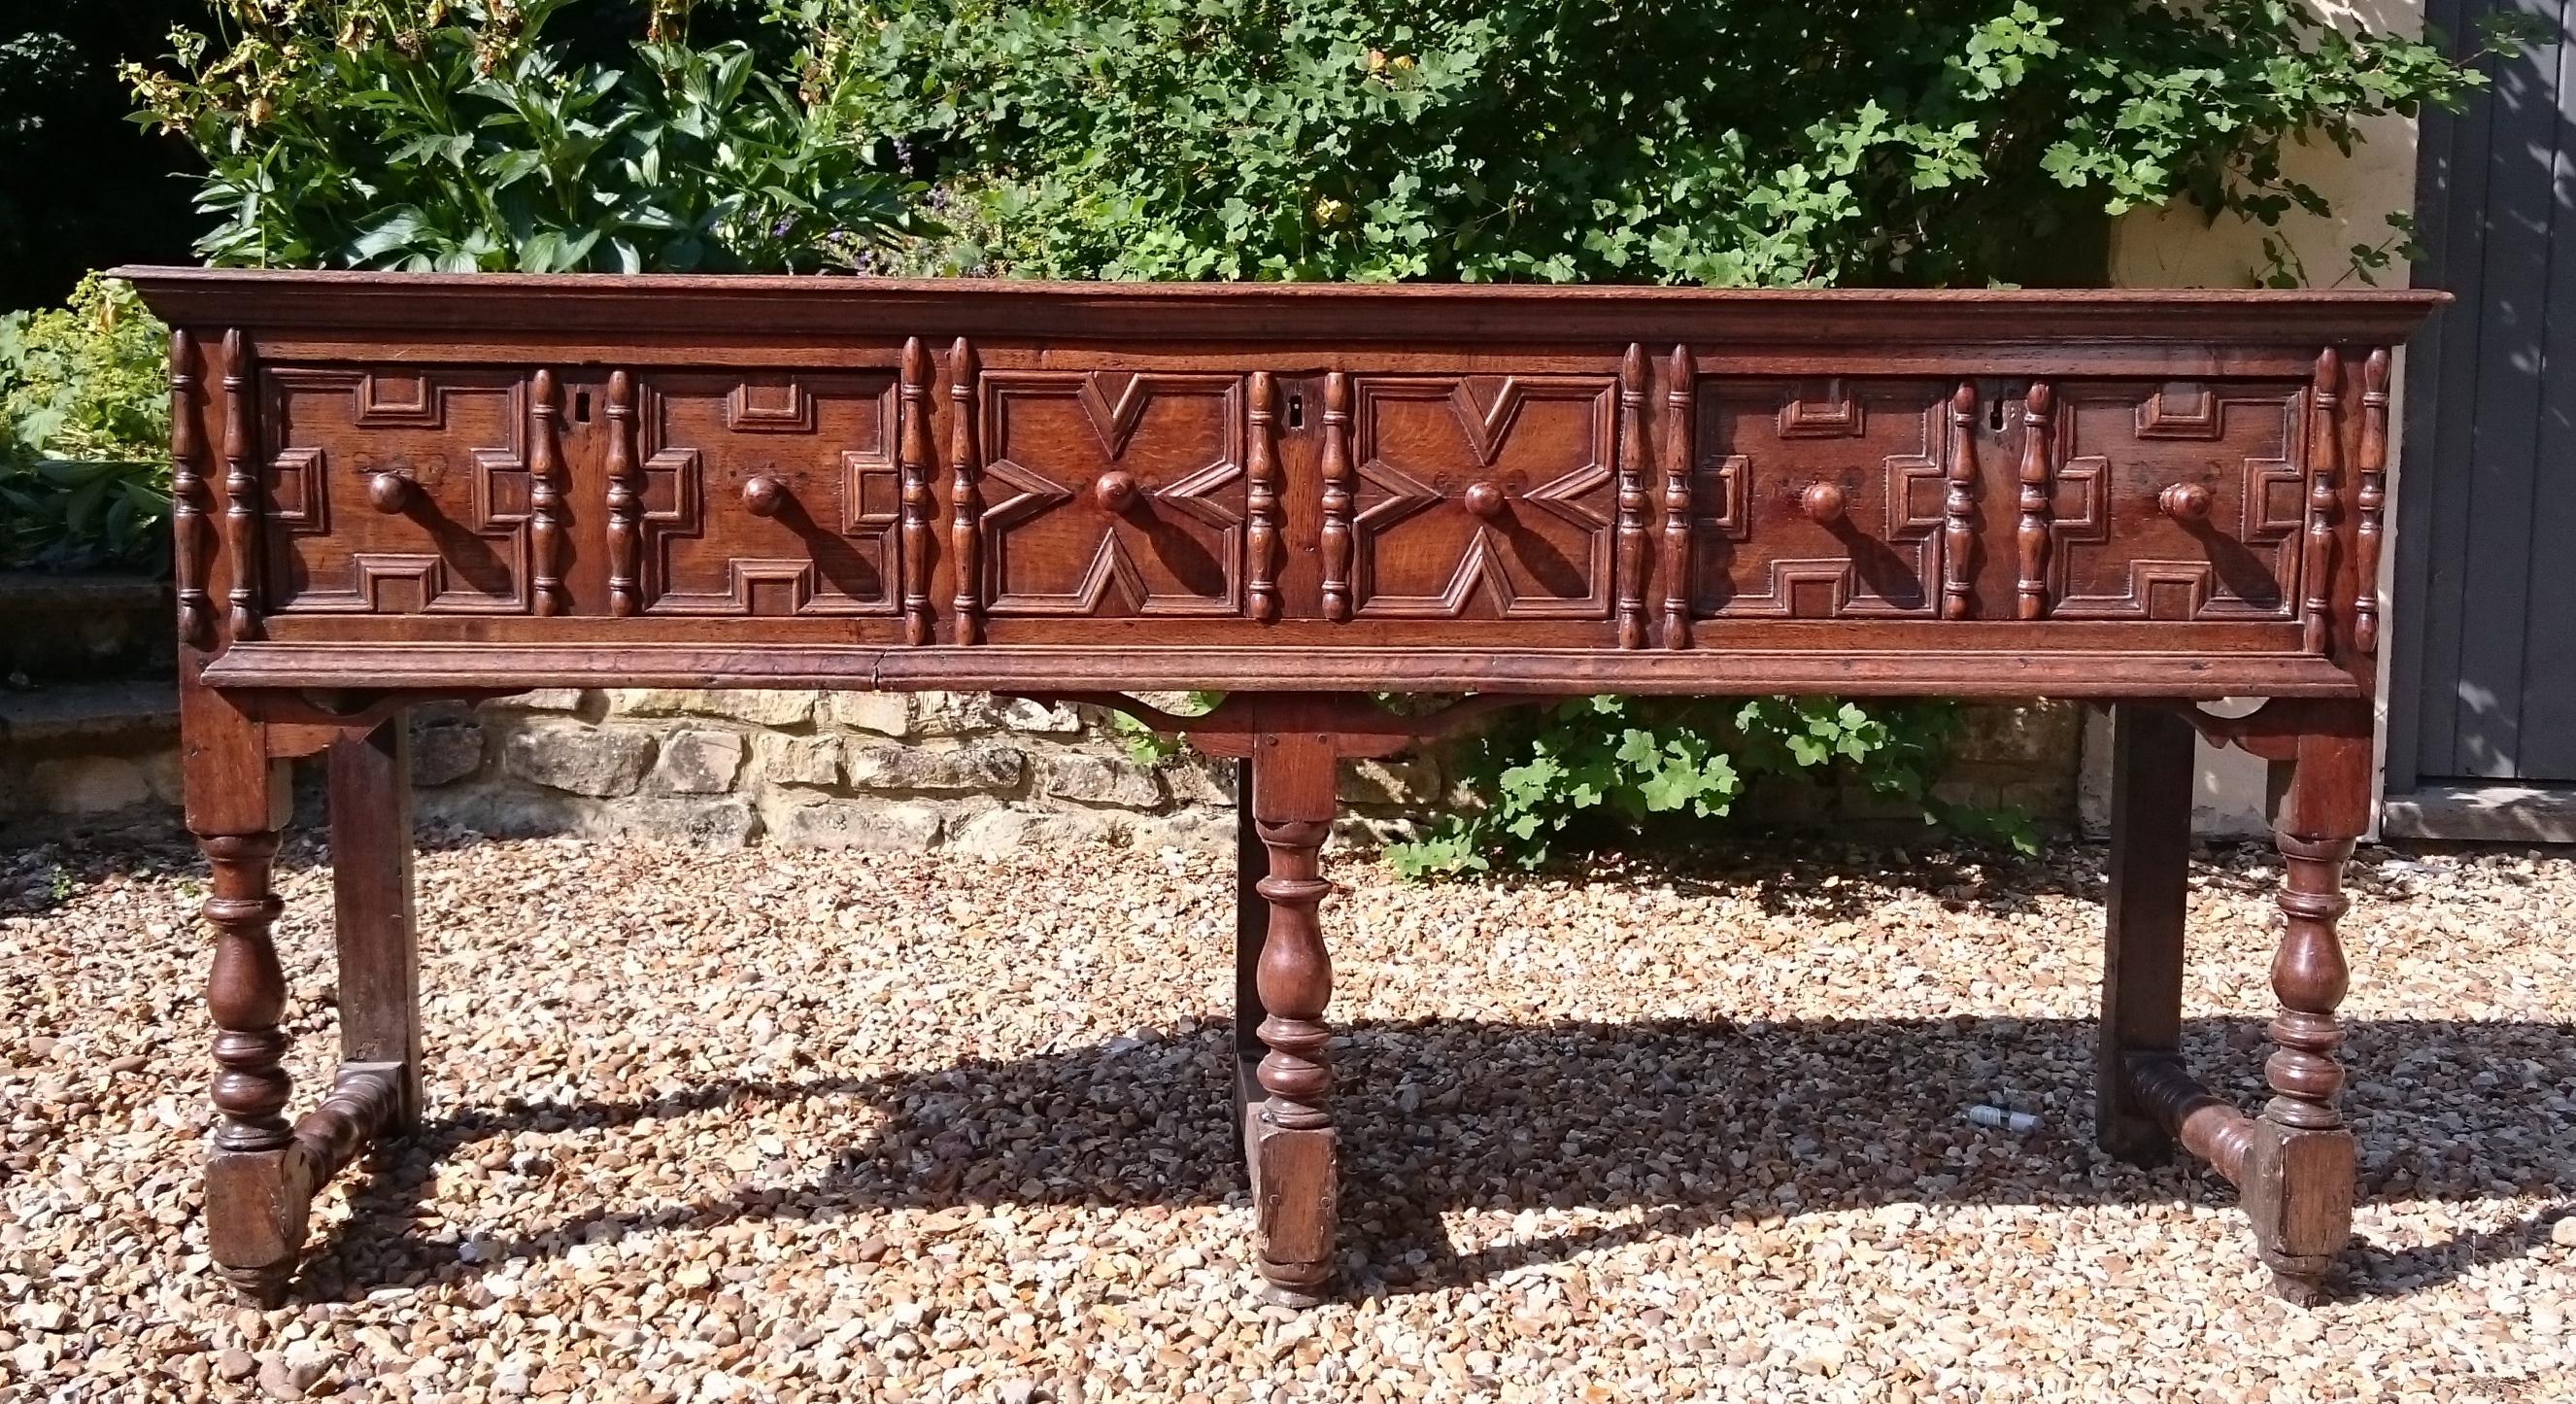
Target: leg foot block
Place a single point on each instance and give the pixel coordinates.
(1296, 1195)
(2298, 1190)
(256, 1205)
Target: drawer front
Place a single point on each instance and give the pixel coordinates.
(2085, 500)
(1111, 495)
(766, 495)
(2176, 501)
(392, 492)
(1819, 499)
(944, 493)
(1482, 497)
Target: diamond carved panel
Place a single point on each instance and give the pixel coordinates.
(1111, 494)
(1483, 497)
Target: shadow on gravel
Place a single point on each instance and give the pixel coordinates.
(1690, 1122)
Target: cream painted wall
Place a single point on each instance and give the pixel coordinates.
(2179, 247)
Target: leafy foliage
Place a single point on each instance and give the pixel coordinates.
(1631, 766)
(424, 134)
(1729, 142)
(80, 187)
(85, 409)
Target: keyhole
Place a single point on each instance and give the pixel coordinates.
(1296, 411)
(581, 407)
(1995, 416)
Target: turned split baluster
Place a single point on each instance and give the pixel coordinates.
(246, 993)
(2299, 1167)
(1295, 1151)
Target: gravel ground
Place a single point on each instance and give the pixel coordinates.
(807, 1125)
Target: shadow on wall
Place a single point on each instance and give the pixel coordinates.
(1442, 1115)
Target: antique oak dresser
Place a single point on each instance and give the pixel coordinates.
(389, 489)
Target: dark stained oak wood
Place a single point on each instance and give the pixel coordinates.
(369, 803)
(394, 488)
(2153, 763)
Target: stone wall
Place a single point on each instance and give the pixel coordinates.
(842, 770)
(89, 719)
(986, 775)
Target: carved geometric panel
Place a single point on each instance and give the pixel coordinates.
(2119, 554)
(1818, 499)
(457, 542)
(1483, 497)
(1111, 494)
(822, 442)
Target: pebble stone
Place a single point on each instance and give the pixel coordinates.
(829, 1125)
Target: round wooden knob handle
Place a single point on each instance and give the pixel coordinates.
(1114, 491)
(2188, 503)
(1485, 499)
(763, 495)
(391, 492)
(1823, 503)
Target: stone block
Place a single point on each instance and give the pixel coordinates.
(1196, 829)
(82, 785)
(763, 706)
(759, 706)
(161, 771)
(1196, 779)
(699, 823)
(2038, 733)
(581, 760)
(985, 769)
(1095, 779)
(1411, 781)
(885, 713)
(503, 810)
(1366, 833)
(954, 713)
(883, 828)
(543, 699)
(445, 750)
(1011, 829)
(1021, 714)
(799, 760)
(698, 762)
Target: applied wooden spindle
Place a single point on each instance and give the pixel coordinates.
(2038, 445)
(1676, 446)
(913, 454)
(625, 500)
(241, 491)
(1338, 498)
(1630, 563)
(545, 497)
(2316, 617)
(966, 508)
(1261, 502)
(1959, 508)
(2370, 501)
(188, 502)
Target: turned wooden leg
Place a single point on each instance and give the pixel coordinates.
(1295, 1152)
(254, 1197)
(1251, 925)
(2152, 762)
(2298, 1183)
(371, 888)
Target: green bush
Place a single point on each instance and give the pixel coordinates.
(85, 410)
(1727, 142)
(422, 134)
(1616, 767)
